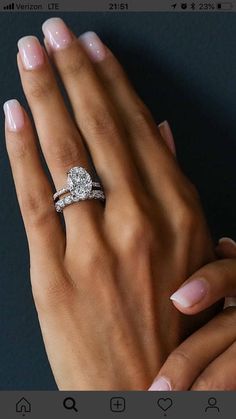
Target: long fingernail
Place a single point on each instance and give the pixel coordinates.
(31, 52)
(14, 115)
(57, 33)
(161, 384)
(227, 240)
(93, 45)
(191, 293)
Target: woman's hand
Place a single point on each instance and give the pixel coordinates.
(101, 285)
(207, 359)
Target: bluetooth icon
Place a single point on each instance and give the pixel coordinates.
(193, 6)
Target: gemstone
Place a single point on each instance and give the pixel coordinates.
(61, 203)
(79, 183)
(68, 200)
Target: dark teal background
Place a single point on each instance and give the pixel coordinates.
(184, 67)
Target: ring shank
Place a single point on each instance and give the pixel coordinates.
(69, 199)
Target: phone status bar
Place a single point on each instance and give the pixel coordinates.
(118, 6)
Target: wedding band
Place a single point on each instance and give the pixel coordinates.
(80, 187)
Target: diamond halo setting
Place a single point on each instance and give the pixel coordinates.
(80, 187)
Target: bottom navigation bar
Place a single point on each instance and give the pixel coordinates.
(37, 404)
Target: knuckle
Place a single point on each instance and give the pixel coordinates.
(180, 359)
(185, 219)
(92, 261)
(37, 208)
(100, 121)
(17, 149)
(142, 113)
(138, 234)
(64, 150)
(39, 87)
(142, 118)
(116, 72)
(74, 66)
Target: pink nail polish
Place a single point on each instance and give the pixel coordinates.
(191, 293)
(14, 115)
(57, 33)
(31, 52)
(161, 384)
(93, 45)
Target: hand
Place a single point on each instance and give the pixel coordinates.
(207, 359)
(101, 285)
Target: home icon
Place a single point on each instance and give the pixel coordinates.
(23, 406)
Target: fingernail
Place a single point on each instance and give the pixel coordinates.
(93, 45)
(166, 133)
(57, 33)
(227, 240)
(14, 115)
(191, 293)
(161, 384)
(31, 52)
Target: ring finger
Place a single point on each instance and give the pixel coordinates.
(96, 115)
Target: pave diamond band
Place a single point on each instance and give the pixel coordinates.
(69, 199)
(80, 187)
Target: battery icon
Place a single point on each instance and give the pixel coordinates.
(225, 6)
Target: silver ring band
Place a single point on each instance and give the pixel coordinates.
(69, 199)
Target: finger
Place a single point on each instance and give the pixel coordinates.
(151, 153)
(43, 228)
(167, 136)
(226, 248)
(59, 137)
(95, 115)
(209, 284)
(187, 362)
(220, 375)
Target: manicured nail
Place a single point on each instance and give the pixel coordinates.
(166, 133)
(31, 52)
(161, 384)
(57, 33)
(227, 240)
(191, 293)
(93, 45)
(14, 115)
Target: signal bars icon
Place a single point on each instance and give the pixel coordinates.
(10, 6)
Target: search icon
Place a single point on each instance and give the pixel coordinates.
(70, 404)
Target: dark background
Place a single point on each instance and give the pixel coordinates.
(184, 68)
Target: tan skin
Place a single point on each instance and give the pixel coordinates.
(102, 285)
(206, 360)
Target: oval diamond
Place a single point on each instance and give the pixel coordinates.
(79, 183)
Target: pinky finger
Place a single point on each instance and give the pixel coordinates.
(34, 193)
